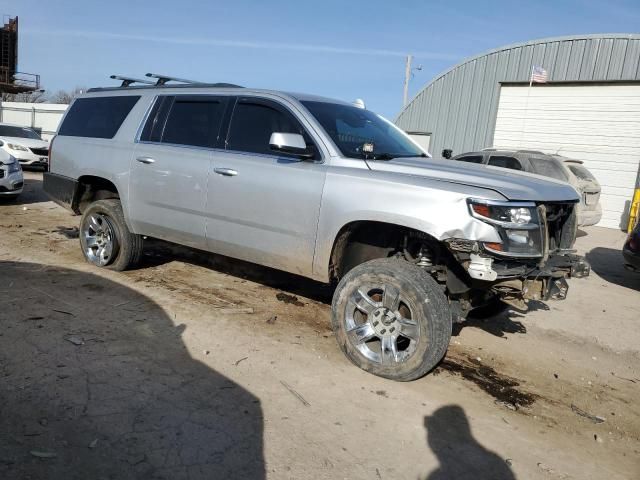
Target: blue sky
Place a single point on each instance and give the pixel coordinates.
(342, 49)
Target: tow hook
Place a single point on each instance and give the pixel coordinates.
(557, 289)
(580, 269)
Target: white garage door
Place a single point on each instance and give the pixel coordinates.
(598, 124)
(422, 139)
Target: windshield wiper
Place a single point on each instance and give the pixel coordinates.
(391, 156)
(382, 156)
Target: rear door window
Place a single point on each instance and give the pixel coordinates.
(505, 162)
(97, 117)
(194, 120)
(253, 122)
(470, 159)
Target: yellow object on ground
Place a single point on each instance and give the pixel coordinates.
(634, 211)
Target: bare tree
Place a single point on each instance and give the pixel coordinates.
(63, 96)
(39, 96)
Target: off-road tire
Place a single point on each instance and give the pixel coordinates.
(431, 308)
(128, 249)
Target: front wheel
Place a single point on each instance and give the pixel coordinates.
(392, 319)
(105, 238)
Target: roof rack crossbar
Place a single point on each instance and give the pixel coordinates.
(126, 81)
(162, 79)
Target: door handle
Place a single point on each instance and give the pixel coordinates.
(145, 160)
(227, 172)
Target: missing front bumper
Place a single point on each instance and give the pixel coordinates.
(544, 283)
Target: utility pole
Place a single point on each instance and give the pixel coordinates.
(407, 77)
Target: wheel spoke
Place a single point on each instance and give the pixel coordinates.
(409, 328)
(94, 225)
(388, 350)
(364, 302)
(391, 297)
(105, 255)
(361, 333)
(91, 242)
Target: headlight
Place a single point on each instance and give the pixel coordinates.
(517, 223)
(15, 146)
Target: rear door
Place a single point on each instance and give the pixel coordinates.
(263, 207)
(169, 170)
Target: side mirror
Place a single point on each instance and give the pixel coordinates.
(290, 144)
(447, 153)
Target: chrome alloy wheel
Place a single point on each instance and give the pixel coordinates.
(379, 323)
(99, 240)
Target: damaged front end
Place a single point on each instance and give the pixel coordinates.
(531, 262)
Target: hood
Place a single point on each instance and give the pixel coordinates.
(26, 142)
(511, 184)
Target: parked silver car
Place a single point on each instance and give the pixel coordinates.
(320, 188)
(11, 180)
(25, 144)
(553, 166)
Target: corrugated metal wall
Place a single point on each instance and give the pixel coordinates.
(459, 107)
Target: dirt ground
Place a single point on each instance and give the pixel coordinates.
(196, 366)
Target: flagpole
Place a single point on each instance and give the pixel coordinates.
(526, 108)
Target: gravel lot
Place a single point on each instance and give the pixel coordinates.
(197, 366)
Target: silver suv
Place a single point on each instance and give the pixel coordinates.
(319, 188)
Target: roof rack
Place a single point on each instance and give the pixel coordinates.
(127, 81)
(531, 151)
(162, 79)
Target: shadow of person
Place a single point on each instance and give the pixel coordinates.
(96, 382)
(460, 455)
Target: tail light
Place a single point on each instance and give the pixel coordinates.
(50, 151)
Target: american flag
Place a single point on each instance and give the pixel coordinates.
(539, 75)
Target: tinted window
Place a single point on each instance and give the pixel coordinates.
(253, 123)
(152, 131)
(351, 127)
(18, 132)
(505, 162)
(549, 167)
(470, 159)
(194, 121)
(98, 117)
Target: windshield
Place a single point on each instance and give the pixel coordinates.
(351, 128)
(19, 132)
(581, 172)
(549, 167)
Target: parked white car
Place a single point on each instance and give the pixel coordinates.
(25, 144)
(11, 180)
(553, 166)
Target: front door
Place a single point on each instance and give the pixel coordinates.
(263, 207)
(169, 170)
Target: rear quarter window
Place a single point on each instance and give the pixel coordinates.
(548, 167)
(98, 117)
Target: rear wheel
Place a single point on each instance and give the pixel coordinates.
(391, 319)
(105, 238)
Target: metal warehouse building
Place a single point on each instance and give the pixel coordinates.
(589, 109)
